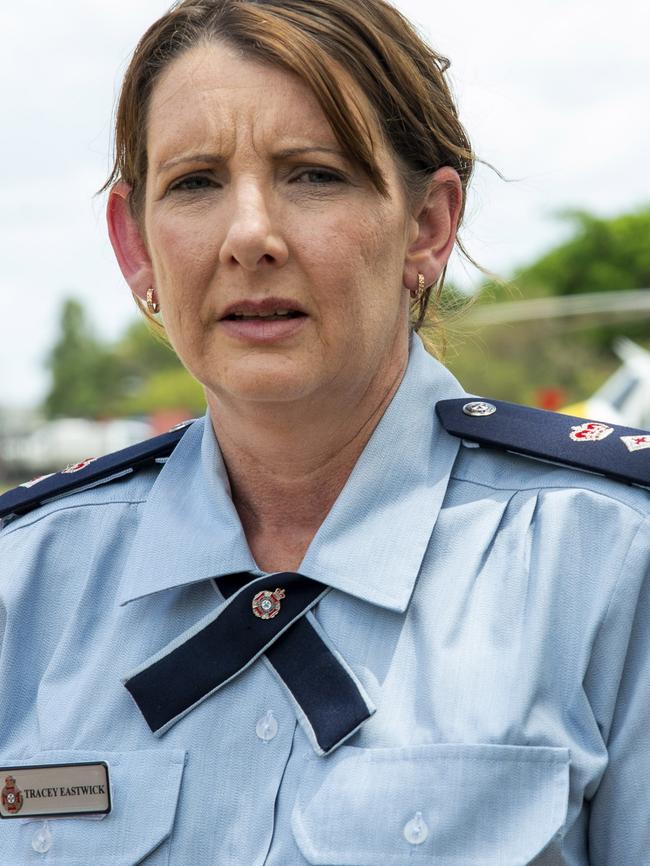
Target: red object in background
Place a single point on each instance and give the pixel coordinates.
(165, 419)
(550, 398)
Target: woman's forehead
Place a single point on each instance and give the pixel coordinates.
(214, 94)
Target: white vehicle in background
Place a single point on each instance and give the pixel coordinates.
(625, 397)
(55, 444)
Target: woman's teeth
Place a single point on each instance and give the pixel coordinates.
(268, 315)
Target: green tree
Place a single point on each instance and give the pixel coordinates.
(170, 388)
(516, 361)
(137, 375)
(154, 378)
(143, 352)
(86, 375)
(603, 255)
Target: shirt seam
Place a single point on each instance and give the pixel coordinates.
(539, 487)
(9, 529)
(617, 585)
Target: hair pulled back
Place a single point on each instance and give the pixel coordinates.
(401, 76)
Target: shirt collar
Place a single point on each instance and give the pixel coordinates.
(371, 544)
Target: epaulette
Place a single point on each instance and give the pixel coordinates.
(617, 452)
(30, 495)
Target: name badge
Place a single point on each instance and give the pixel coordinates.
(54, 790)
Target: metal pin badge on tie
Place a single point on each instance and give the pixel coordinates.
(479, 409)
(266, 604)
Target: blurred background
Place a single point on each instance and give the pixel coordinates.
(555, 95)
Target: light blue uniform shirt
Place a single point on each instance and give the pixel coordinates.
(495, 608)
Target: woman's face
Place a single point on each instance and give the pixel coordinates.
(278, 266)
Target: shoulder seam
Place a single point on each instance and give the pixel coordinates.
(538, 487)
(63, 505)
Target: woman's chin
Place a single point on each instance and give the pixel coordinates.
(265, 381)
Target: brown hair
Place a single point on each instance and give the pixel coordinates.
(402, 77)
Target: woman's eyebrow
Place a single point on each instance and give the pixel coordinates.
(219, 159)
(299, 151)
(210, 158)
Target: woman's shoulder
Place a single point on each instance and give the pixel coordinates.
(69, 535)
(123, 476)
(508, 446)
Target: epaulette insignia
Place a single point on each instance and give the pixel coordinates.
(593, 446)
(33, 493)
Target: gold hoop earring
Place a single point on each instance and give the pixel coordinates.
(417, 294)
(152, 304)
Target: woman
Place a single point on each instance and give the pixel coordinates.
(315, 627)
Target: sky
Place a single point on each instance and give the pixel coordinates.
(554, 93)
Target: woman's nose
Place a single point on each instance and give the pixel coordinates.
(253, 237)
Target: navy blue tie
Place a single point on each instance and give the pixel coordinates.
(262, 615)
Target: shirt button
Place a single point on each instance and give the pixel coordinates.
(267, 727)
(42, 839)
(416, 830)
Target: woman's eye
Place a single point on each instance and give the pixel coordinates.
(191, 183)
(318, 176)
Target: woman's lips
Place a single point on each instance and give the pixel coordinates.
(264, 320)
(263, 329)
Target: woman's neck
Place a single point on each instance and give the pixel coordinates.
(287, 464)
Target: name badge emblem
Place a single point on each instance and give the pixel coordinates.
(54, 790)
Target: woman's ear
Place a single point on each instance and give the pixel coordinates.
(434, 229)
(127, 241)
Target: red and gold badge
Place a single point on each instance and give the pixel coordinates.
(591, 431)
(77, 467)
(11, 796)
(266, 604)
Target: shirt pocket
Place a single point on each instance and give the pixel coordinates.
(144, 786)
(442, 804)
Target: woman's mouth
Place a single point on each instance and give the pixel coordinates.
(263, 322)
(275, 314)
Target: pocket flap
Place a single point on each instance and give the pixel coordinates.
(144, 792)
(484, 805)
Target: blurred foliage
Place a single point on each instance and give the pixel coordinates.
(518, 362)
(602, 255)
(137, 375)
(167, 389)
(573, 355)
(86, 374)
